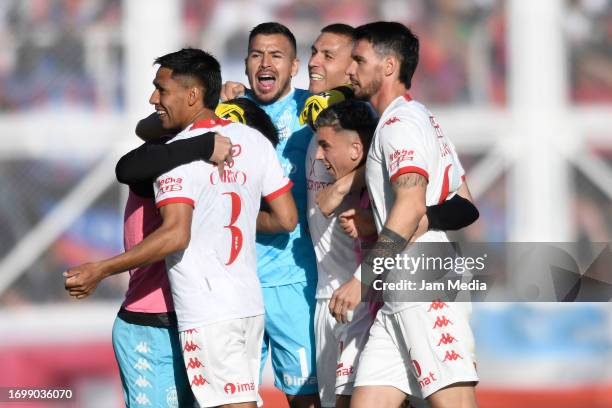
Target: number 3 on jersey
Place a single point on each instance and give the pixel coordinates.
(236, 244)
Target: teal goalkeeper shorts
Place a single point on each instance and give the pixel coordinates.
(151, 366)
(289, 336)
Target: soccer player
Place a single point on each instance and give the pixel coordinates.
(285, 262)
(418, 349)
(207, 233)
(333, 159)
(145, 336)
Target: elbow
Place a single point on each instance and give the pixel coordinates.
(420, 210)
(182, 241)
(177, 240)
(289, 222)
(473, 215)
(120, 171)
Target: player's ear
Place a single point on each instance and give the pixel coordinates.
(295, 66)
(390, 65)
(356, 151)
(195, 94)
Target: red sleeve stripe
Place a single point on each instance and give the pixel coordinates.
(409, 169)
(174, 200)
(445, 185)
(463, 178)
(279, 192)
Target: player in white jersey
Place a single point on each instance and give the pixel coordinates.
(208, 234)
(418, 349)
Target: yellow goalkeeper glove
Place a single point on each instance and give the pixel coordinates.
(231, 112)
(315, 104)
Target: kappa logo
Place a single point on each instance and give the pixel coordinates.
(451, 356)
(142, 364)
(437, 306)
(142, 399)
(198, 380)
(391, 121)
(194, 363)
(142, 382)
(446, 338)
(143, 348)
(441, 321)
(191, 331)
(191, 346)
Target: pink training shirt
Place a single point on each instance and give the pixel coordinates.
(149, 289)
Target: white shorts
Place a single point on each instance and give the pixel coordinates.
(420, 350)
(222, 361)
(338, 346)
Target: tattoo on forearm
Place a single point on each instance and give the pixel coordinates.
(409, 180)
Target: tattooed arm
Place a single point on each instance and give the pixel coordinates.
(409, 205)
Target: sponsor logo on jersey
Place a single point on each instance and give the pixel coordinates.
(441, 321)
(446, 338)
(451, 356)
(314, 185)
(427, 380)
(231, 388)
(342, 371)
(169, 184)
(236, 150)
(229, 176)
(417, 368)
(398, 157)
(296, 380)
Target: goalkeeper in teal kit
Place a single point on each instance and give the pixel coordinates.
(286, 263)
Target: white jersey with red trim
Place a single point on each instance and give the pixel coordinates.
(336, 251)
(409, 140)
(215, 278)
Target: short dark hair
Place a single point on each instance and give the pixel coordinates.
(351, 114)
(340, 29)
(390, 37)
(199, 65)
(256, 118)
(271, 28)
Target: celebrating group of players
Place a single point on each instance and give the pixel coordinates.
(245, 224)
